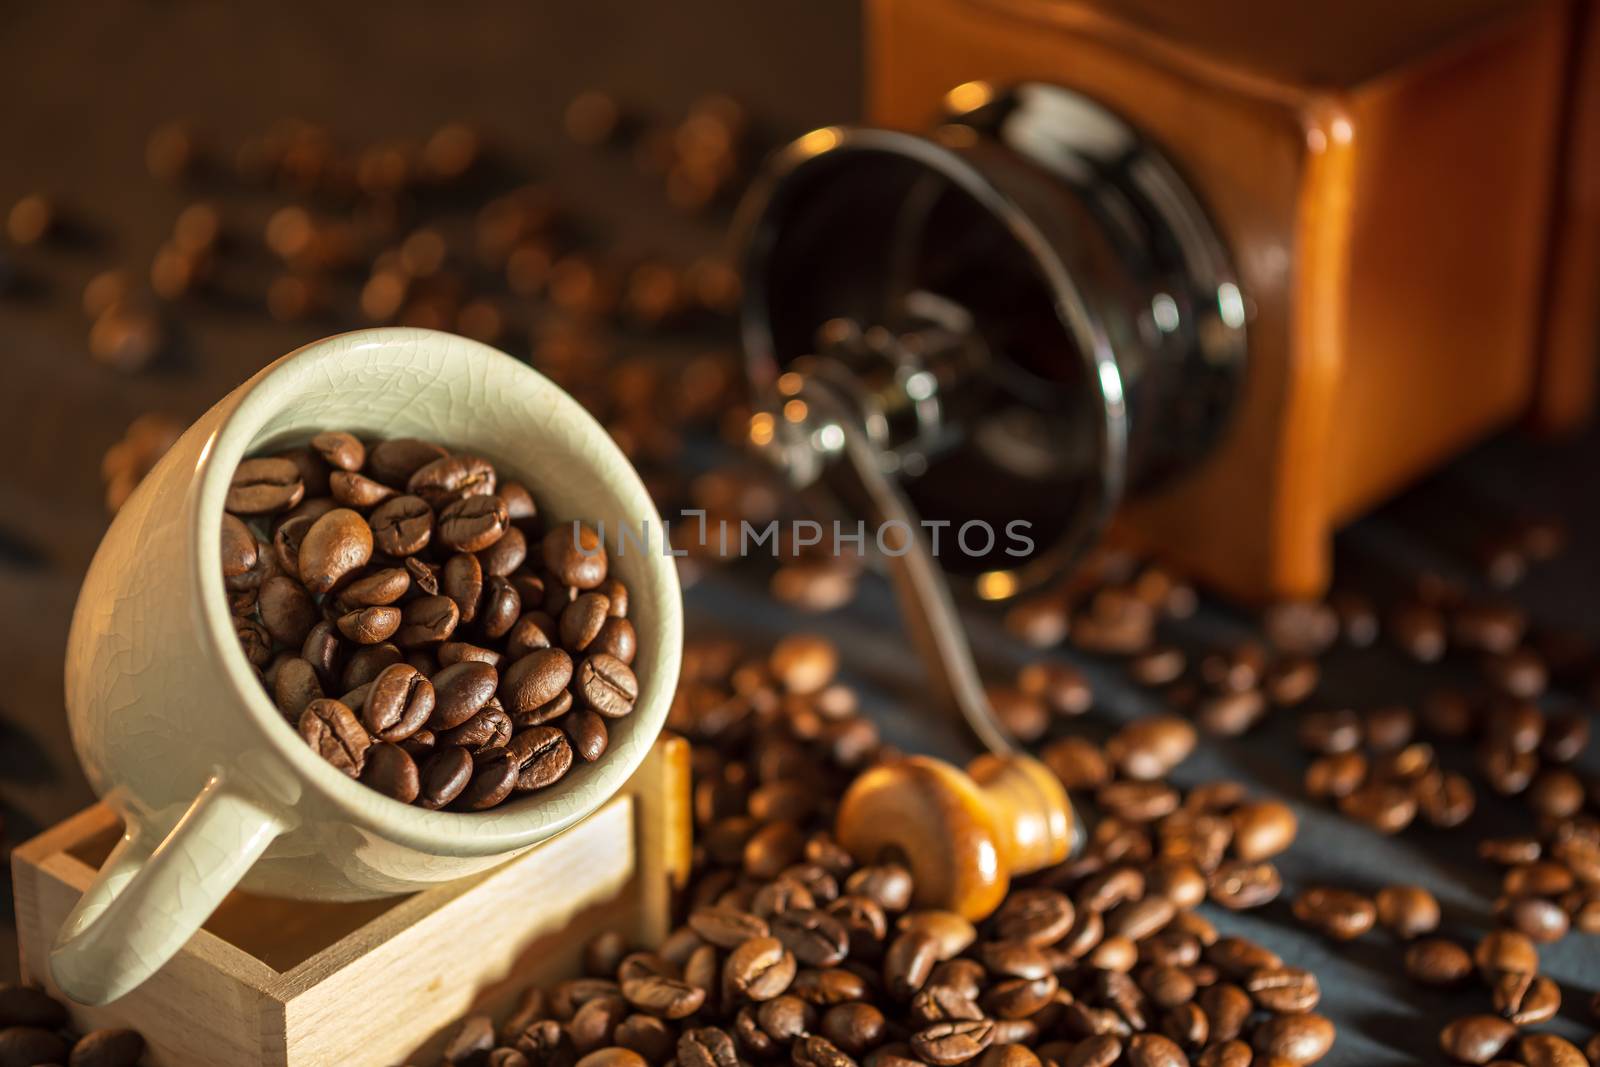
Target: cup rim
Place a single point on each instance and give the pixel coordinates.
(440, 832)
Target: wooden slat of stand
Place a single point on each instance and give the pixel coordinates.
(284, 984)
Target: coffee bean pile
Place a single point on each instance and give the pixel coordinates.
(791, 949)
(34, 1030)
(398, 575)
(1522, 729)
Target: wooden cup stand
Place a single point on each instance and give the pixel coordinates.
(277, 983)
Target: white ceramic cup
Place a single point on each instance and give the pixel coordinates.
(178, 735)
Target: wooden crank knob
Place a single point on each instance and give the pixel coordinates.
(963, 834)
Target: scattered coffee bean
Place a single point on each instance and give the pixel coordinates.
(1337, 913)
(1407, 911)
(1476, 1038)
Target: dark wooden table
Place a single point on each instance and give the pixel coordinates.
(85, 83)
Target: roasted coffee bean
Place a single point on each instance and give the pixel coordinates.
(509, 551)
(402, 526)
(443, 777)
(953, 932)
(239, 551)
(1538, 878)
(294, 685)
(759, 968)
(613, 1056)
(1525, 999)
(457, 651)
(427, 622)
(1227, 1054)
(1139, 919)
(1291, 680)
(391, 771)
(520, 505)
(286, 541)
(490, 728)
(460, 691)
(1240, 886)
(814, 1051)
(1019, 998)
(491, 783)
(1262, 830)
(938, 1003)
(706, 1047)
(108, 1048)
(1154, 1050)
(1285, 990)
(337, 544)
(586, 732)
(1150, 748)
(1034, 916)
(1535, 917)
(395, 460)
(334, 733)
(533, 681)
(472, 523)
(499, 608)
(544, 758)
(582, 620)
(366, 663)
(370, 626)
(616, 638)
(383, 586)
(1227, 1008)
(1407, 911)
(1386, 807)
(853, 1028)
(1337, 913)
(1078, 763)
(648, 1036)
(1505, 950)
(575, 554)
(727, 927)
(946, 1044)
(264, 486)
(1476, 1038)
(357, 490)
(544, 713)
(323, 651)
(420, 744)
(1436, 962)
(530, 633)
(665, 997)
(1299, 1039)
(287, 610)
(452, 478)
(816, 938)
(341, 450)
(1098, 1050)
(607, 685)
(1548, 1050)
(908, 963)
(1239, 959)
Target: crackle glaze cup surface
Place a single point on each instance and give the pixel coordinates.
(176, 733)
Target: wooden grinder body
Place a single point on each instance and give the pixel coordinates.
(1411, 194)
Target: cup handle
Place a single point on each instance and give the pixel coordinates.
(150, 897)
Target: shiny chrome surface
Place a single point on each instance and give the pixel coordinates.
(1101, 331)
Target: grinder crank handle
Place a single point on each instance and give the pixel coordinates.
(926, 606)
